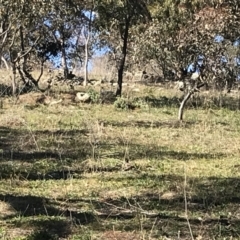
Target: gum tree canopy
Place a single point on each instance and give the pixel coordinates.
(171, 33)
(117, 18)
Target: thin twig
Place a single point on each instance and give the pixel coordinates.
(32, 135)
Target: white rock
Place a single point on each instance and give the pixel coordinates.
(82, 97)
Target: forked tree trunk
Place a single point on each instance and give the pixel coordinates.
(186, 98)
(36, 81)
(15, 58)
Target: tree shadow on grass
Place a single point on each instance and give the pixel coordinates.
(162, 101)
(47, 217)
(21, 145)
(21, 156)
(50, 229)
(33, 164)
(208, 206)
(151, 124)
(197, 101)
(208, 192)
(211, 201)
(137, 151)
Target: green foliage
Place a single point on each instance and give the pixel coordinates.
(129, 104)
(86, 235)
(171, 33)
(121, 103)
(141, 103)
(94, 95)
(2, 233)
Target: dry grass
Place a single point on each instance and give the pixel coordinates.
(86, 171)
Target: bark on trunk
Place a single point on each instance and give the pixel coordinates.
(5, 62)
(86, 62)
(87, 35)
(123, 58)
(120, 77)
(25, 57)
(36, 82)
(183, 103)
(14, 84)
(64, 60)
(186, 98)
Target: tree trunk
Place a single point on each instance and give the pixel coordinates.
(25, 57)
(87, 34)
(123, 57)
(120, 77)
(86, 62)
(36, 81)
(186, 98)
(183, 103)
(5, 62)
(14, 84)
(64, 60)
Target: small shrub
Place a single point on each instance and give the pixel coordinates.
(2, 233)
(94, 95)
(124, 104)
(141, 103)
(120, 103)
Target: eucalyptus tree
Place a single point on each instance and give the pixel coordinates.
(20, 33)
(87, 33)
(64, 21)
(37, 31)
(116, 19)
(183, 30)
(184, 33)
(200, 36)
(157, 41)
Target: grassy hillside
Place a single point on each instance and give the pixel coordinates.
(91, 171)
